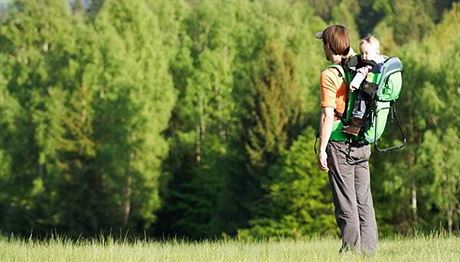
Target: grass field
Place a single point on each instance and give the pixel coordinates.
(422, 248)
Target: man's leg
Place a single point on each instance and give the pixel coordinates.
(368, 225)
(341, 179)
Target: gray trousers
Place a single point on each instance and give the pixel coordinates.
(349, 180)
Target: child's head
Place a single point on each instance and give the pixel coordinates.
(369, 48)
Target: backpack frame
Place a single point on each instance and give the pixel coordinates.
(383, 104)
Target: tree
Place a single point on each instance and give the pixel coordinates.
(132, 110)
(299, 200)
(201, 122)
(272, 113)
(38, 69)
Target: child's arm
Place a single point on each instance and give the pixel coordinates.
(359, 77)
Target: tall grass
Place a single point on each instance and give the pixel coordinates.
(419, 248)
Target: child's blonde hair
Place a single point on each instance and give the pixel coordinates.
(370, 39)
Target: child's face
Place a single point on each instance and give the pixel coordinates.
(369, 51)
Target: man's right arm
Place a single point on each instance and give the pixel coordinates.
(325, 130)
(325, 126)
(329, 81)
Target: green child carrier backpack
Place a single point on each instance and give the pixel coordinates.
(388, 83)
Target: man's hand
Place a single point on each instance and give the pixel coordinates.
(322, 161)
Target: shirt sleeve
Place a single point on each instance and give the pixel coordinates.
(329, 88)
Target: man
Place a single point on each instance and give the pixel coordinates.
(345, 161)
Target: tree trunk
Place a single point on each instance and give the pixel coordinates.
(414, 202)
(200, 129)
(198, 145)
(450, 215)
(127, 204)
(221, 101)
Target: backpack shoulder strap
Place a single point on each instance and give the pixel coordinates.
(346, 115)
(338, 68)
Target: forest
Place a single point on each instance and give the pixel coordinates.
(197, 119)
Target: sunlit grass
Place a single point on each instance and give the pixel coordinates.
(419, 248)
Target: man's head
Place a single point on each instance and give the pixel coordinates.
(335, 41)
(369, 48)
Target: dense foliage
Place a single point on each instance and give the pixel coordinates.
(197, 118)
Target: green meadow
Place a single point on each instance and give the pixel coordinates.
(420, 248)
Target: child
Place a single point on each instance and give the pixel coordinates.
(371, 63)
